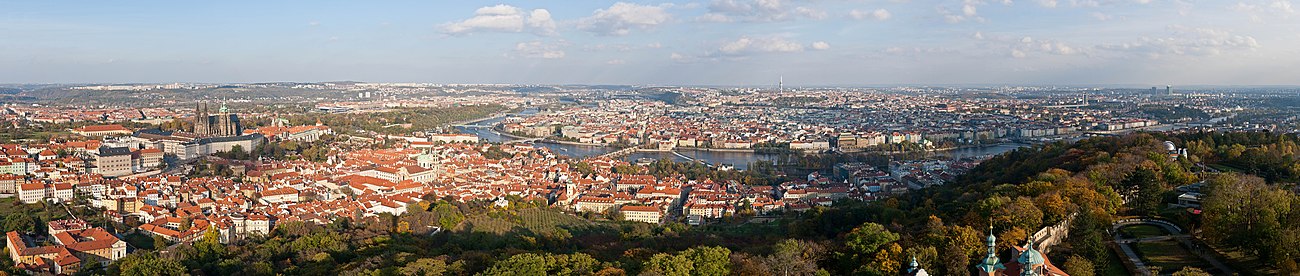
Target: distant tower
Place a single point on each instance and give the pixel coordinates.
(1169, 89)
(780, 84)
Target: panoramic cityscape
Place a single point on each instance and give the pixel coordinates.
(723, 137)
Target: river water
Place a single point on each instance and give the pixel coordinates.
(739, 159)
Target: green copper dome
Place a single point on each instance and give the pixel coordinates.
(1030, 257)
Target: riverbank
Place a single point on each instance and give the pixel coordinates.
(715, 149)
(545, 140)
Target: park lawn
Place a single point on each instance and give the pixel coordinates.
(139, 241)
(1169, 255)
(1143, 231)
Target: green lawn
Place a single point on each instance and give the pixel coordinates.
(1143, 231)
(1169, 255)
(139, 241)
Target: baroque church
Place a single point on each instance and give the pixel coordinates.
(222, 124)
(1025, 261)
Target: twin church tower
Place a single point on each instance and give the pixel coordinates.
(222, 124)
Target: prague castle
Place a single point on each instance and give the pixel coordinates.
(222, 124)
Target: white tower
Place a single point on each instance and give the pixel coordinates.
(780, 84)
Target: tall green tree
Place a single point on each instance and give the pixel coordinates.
(709, 260)
(1146, 191)
(1245, 212)
(867, 238)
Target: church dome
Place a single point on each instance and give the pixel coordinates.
(1031, 257)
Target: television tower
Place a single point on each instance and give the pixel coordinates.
(780, 84)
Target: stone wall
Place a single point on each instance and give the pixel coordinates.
(1050, 236)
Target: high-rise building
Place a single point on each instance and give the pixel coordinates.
(222, 124)
(1169, 89)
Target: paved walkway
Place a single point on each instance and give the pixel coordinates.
(1186, 240)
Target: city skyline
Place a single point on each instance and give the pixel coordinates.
(723, 42)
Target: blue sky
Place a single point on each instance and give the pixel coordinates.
(718, 42)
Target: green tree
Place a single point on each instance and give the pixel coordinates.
(867, 238)
(709, 260)
(1245, 212)
(159, 242)
(669, 265)
(21, 222)
(146, 264)
(545, 264)
(425, 266)
(1146, 190)
(1079, 266)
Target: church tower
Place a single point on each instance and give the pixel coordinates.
(991, 265)
(202, 126)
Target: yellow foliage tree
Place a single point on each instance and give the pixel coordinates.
(888, 260)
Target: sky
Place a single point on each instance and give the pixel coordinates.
(704, 42)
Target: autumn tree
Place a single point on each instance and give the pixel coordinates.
(1079, 266)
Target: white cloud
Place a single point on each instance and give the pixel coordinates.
(757, 11)
(1047, 3)
(1258, 11)
(622, 17)
(1045, 46)
(1187, 41)
(751, 45)
(969, 11)
(878, 14)
(978, 35)
(503, 18)
(615, 62)
(539, 49)
(1101, 16)
(541, 23)
(1085, 3)
(821, 45)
